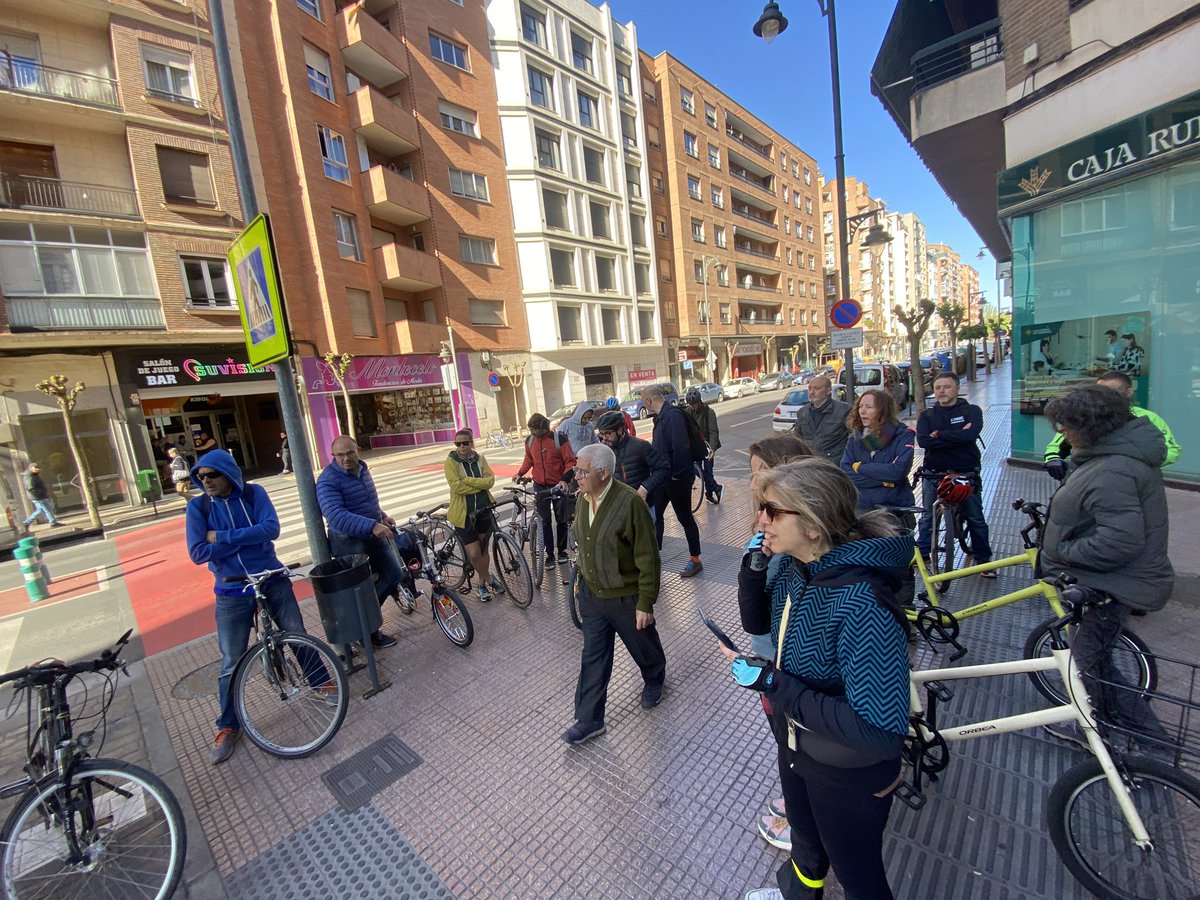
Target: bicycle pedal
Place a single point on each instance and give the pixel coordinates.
(909, 796)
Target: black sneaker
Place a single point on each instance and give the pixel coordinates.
(651, 696)
(550, 561)
(582, 732)
(563, 559)
(381, 640)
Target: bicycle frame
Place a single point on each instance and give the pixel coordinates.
(1026, 557)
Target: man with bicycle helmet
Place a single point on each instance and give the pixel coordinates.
(638, 464)
(612, 404)
(950, 433)
(706, 420)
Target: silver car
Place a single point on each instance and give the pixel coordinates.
(710, 392)
(740, 387)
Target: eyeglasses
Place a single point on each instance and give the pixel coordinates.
(771, 510)
(463, 443)
(582, 473)
(208, 476)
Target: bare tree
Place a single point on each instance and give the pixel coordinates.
(975, 333)
(338, 367)
(56, 386)
(952, 315)
(916, 323)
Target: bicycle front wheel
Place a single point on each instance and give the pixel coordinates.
(573, 598)
(291, 696)
(1090, 835)
(698, 490)
(1130, 655)
(452, 617)
(449, 557)
(537, 551)
(508, 564)
(941, 548)
(117, 831)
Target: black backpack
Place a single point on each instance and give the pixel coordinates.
(696, 442)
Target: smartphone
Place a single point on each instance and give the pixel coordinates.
(716, 630)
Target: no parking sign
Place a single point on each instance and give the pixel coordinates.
(493, 381)
(846, 313)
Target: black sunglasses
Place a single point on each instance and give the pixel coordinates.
(772, 510)
(208, 476)
(463, 443)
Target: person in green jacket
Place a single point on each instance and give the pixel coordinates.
(1059, 450)
(471, 480)
(619, 574)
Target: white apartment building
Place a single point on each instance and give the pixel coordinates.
(571, 123)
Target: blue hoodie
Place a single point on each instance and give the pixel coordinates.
(245, 523)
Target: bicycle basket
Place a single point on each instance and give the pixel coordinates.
(955, 488)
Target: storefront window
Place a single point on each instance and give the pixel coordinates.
(402, 412)
(1111, 279)
(46, 442)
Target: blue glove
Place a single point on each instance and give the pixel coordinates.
(751, 672)
(755, 558)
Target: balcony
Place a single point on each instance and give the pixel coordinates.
(964, 52)
(738, 135)
(369, 49)
(83, 314)
(747, 284)
(23, 76)
(394, 198)
(50, 194)
(749, 212)
(406, 269)
(750, 178)
(409, 336)
(758, 250)
(383, 125)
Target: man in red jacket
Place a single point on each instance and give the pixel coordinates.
(552, 462)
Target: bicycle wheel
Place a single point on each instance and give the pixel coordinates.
(537, 556)
(449, 557)
(117, 832)
(1130, 655)
(698, 489)
(508, 564)
(941, 548)
(573, 598)
(452, 616)
(280, 711)
(1090, 835)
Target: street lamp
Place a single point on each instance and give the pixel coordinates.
(711, 356)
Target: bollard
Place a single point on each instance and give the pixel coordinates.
(35, 584)
(31, 541)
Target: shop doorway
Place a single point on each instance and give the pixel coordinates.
(598, 382)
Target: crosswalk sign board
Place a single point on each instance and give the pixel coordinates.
(259, 293)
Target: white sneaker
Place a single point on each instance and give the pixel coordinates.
(775, 831)
(767, 893)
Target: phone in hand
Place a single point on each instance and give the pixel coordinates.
(720, 635)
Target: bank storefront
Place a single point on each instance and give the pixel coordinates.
(1106, 272)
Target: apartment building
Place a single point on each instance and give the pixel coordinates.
(117, 203)
(735, 210)
(376, 152)
(571, 123)
(867, 264)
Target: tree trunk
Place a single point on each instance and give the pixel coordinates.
(86, 487)
(916, 375)
(349, 413)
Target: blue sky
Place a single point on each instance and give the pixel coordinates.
(786, 84)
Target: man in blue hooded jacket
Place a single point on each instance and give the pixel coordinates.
(232, 528)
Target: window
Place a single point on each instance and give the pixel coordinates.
(693, 184)
(689, 145)
(795, 169)
(723, 276)
(710, 115)
(481, 251)
(657, 182)
(714, 156)
(641, 277)
(333, 154)
(345, 229)
(652, 136)
(541, 88)
(698, 270)
(185, 177)
(606, 274)
(629, 130)
(791, 288)
(362, 317)
(718, 198)
(785, 193)
(664, 269)
(448, 51)
(468, 184)
(808, 205)
(610, 323)
(660, 226)
(624, 79)
(455, 118)
(1185, 202)
(316, 63)
(724, 307)
(312, 7)
(556, 208)
(533, 25)
(812, 263)
(588, 112)
(807, 177)
(697, 230)
(637, 229)
(787, 225)
(789, 255)
(487, 312)
(547, 150)
(581, 52)
(600, 220)
(206, 283)
(1093, 214)
(808, 233)
(593, 165)
(570, 325)
(719, 235)
(633, 180)
(169, 75)
(812, 292)
(646, 324)
(562, 268)
(687, 102)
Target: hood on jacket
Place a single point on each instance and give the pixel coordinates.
(881, 554)
(223, 462)
(1138, 439)
(577, 433)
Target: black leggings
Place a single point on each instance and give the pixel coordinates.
(678, 494)
(832, 825)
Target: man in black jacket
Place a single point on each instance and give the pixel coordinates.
(822, 421)
(706, 420)
(39, 496)
(638, 464)
(950, 433)
(671, 441)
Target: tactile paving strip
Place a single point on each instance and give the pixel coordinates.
(356, 780)
(351, 856)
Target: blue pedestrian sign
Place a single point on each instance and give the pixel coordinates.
(846, 313)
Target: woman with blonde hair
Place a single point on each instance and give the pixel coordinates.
(838, 684)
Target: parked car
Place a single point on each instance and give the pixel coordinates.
(773, 381)
(710, 392)
(632, 403)
(804, 376)
(565, 411)
(740, 387)
(785, 412)
(879, 375)
(929, 368)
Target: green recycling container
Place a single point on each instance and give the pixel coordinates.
(31, 572)
(149, 485)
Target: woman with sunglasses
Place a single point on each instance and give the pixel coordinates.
(838, 685)
(471, 480)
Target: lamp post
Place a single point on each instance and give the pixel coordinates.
(711, 356)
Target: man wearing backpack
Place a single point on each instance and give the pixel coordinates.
(706, 421)
(678, 439)
(552, 462)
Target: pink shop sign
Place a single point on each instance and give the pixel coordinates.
(380, 373)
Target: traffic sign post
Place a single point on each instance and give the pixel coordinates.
(846, 313)
(493, 381)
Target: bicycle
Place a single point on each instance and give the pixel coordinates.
(449, 556)
(276, 692)
(449, 611)
(498, 439)
(1158, 804)
(698, 487)
(508, 562)
(526, 527)
(948, 529)
(84, 826)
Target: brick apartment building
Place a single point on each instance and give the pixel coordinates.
(867, 266)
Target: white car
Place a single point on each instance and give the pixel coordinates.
(740, 387)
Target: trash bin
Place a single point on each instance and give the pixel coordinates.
(344, 592)
(149, 485)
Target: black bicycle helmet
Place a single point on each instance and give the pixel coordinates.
(692, 397)
(612, 420)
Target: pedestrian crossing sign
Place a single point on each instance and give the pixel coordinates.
(259, 293)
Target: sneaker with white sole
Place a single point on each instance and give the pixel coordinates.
(497, 586)
(582, 732)
(767, 893)
(775, 831)
(485, 596)
(776, 808)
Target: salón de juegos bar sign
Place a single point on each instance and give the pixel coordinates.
(1163, 134)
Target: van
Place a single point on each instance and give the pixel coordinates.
(868, 376)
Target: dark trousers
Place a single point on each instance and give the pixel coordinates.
(971, 508)
(678, 494)
(285, 457)
(833, 826)
(1113, 698)
(603, 620)
(710, 482)
(385, 560)
(545, 503)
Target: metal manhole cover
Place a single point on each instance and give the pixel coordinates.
(197, 684)
(357, 779)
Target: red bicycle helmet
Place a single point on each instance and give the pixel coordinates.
(955, 488)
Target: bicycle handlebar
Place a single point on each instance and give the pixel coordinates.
(49, 670)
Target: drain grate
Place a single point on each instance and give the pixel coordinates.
(356, 780)
(200, 683)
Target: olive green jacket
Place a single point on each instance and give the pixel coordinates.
(618, 553)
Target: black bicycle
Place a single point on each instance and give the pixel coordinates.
(948, 533)
(449, 611)
(95, 828)
(525, 527)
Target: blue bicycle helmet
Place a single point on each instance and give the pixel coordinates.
(612, 403)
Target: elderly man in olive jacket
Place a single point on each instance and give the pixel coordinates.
(822, 421)
(619, 574)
